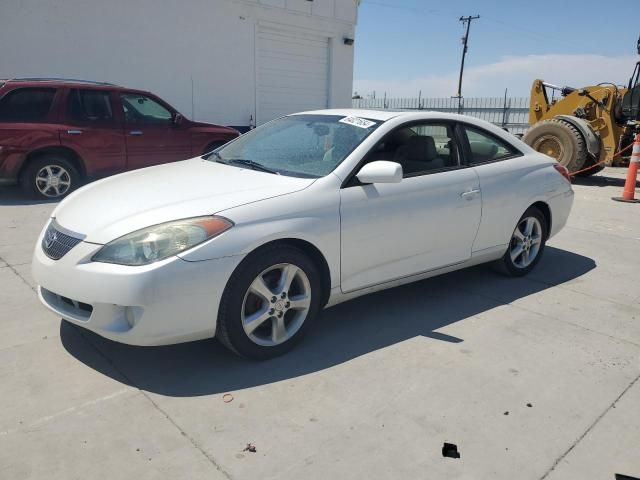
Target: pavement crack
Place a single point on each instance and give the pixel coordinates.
(601, 232)
(191, 440)
(563, 287)
(10, 267)
(66, 411)
(546, 315)
(586, 432)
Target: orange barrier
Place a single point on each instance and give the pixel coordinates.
(628, 194)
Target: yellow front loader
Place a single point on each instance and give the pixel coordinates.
(586, 127)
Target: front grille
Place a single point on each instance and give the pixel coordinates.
(85, 307)
(56, 244)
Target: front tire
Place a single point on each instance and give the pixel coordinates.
(526, 245)
(50, 177)
(269, 303)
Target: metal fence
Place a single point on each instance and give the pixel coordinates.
(510, 112)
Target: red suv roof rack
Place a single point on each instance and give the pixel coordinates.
(53, 79)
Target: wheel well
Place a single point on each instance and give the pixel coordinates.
(316, 257)
(546, 211)
(65, 152)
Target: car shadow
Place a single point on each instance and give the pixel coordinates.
(13, 196)
(342, 333)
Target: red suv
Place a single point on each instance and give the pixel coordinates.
(56, 133)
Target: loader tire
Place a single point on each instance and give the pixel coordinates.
(559, 140)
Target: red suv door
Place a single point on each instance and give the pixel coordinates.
(151, 132)
(93, 128)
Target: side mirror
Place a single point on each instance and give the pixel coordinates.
(177, 118)
(380, 171)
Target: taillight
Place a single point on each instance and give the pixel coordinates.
(562, 170)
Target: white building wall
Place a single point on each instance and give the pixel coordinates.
(200, 50)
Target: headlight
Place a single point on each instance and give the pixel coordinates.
(158, 242)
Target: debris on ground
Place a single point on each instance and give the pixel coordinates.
(529, 405)
(506, 413)
(227, 398)
(450, 450)
(250, 448)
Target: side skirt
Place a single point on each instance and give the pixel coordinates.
(477, 258)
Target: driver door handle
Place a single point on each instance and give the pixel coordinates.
(135, 132)
(74, 132)
(469, 193)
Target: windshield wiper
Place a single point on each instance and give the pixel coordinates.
(251, 164)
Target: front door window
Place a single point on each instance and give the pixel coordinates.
(140, 109)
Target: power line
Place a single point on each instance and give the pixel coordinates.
(466, 21)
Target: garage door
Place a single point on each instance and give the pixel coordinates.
(292, 72)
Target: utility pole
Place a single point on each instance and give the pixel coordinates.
(466, 21)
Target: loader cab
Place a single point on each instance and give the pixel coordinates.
(631, 99)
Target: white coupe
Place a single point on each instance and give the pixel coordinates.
(249, 242)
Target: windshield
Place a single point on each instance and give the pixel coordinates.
(298, 145)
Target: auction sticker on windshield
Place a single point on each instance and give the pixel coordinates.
(357, 122)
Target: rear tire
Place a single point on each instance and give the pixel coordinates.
(559, 140)
(257, 327)
(526, 245)
(49, 177)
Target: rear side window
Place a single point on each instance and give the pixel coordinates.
(89, 106)
(487, 148)
(26, 105)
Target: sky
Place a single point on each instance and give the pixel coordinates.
(406, 46)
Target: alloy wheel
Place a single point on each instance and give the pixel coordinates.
(53, 181)
(526, 242)
(276, 304)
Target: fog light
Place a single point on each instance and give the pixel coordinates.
(132, 315)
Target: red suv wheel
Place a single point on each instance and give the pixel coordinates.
(50, 177)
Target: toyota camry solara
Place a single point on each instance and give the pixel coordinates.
(249, 242)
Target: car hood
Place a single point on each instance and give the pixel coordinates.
(109, 208)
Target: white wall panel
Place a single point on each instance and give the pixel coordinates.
(200, 49)
(303, 6)
(323, 8)
(346, 10)
(293, 72)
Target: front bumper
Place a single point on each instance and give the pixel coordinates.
(167, 302)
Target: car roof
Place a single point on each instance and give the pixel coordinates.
(384, 115)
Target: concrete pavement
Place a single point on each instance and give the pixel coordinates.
(532, 378)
